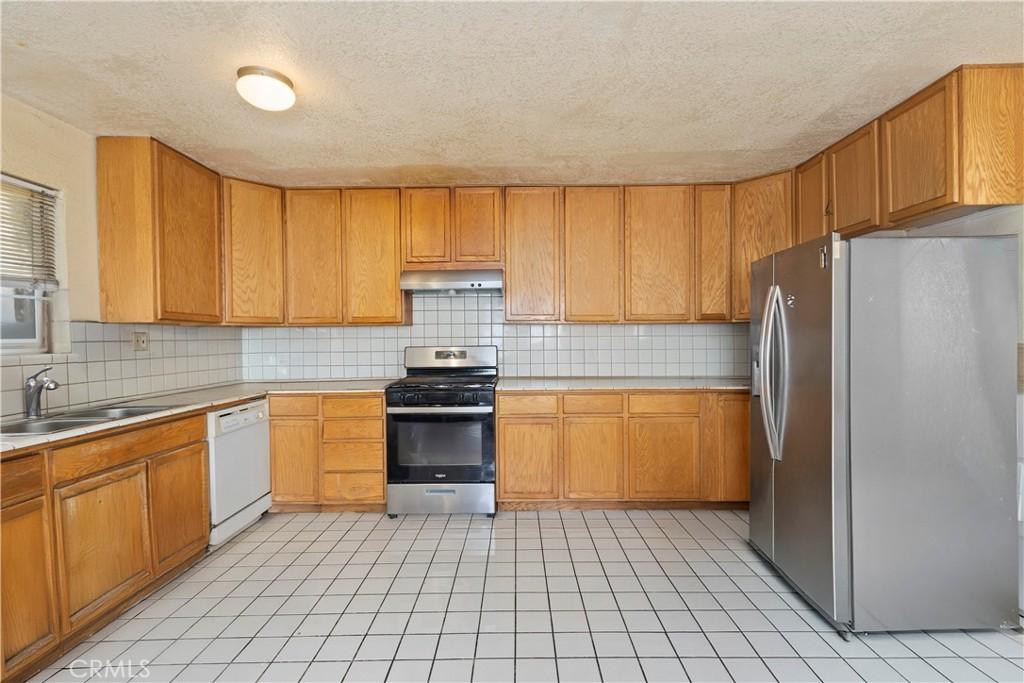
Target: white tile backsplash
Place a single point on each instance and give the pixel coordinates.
(102, 365)
(541, 350)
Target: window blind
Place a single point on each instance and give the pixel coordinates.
(28, 215)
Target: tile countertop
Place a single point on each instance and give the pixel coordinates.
(621, 383)
(212, 397)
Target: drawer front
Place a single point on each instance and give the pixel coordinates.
(86, 458)
(354, 456)
(354, 487)
(664, 404)
(527, 404)
(21, 479)
(294, 406)
(353, 406)
(582, 404)
(335, 430)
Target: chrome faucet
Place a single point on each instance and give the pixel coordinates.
(34, 390)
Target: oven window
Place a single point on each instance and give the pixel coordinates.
(438, 441)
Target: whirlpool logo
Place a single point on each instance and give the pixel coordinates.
(440, 475)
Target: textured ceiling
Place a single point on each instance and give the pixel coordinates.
(410, 93)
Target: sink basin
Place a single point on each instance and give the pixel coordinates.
(48, 425)
(113, 413)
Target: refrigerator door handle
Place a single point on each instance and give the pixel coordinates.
(781, 356)
(765, 354)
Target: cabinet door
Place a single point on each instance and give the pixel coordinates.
(253, 253)
(527, 458)
(295, 460)
(762, 224)
(734, 445)
(592, 450)
(372, 253)
(533, 230)
(659, 252)
(29, 599)
(919, 152)
(853, 181)
(593, 254)
(713, 223)
(478, 223)
(313, 256)
(664, 457)
(811, 197)
(179, 497)
(426, 225)
(188, 238)
(103, 542)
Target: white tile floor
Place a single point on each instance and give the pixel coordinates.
(571, 596)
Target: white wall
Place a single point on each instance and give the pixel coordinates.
(39, 148)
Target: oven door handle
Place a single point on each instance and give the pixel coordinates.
(436, 410)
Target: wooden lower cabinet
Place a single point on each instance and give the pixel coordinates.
(664, 457)
(295, 460)
(354, 487)
(179, 497)
(593, 457)
(528, 458)
(734, 445)
(29, 626)
(103, 549)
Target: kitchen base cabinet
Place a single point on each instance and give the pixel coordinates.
(103, 548)
(528, 458)
(29, 600)
(593, 456)
(295, 460)
(180, 500)
(664, 457)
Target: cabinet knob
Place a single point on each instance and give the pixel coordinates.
(828, 208)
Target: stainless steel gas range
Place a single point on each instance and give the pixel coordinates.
(440, 439)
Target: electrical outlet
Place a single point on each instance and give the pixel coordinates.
(140, 341)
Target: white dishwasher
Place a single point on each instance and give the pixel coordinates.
(239, 439)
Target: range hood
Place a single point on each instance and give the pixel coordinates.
(449, 280)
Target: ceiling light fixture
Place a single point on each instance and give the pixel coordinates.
(265, 88)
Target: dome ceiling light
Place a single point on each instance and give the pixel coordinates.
(265, 88)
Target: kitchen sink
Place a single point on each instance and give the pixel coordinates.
(49, 425)
(114, 413)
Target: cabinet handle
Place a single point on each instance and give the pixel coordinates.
(828, 208)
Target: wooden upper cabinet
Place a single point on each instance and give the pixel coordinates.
(811, 197)
(593, 254)
(103, 547)
(659, 253)
(179, 497)
(853, 187)
(313, 256)
(533, 235)
(992, 134)
(159, 234)
(713, 225)
(477, 224)
(29, 625)
(426, 225)
(762, 224)
(371, 250)
(253, 253)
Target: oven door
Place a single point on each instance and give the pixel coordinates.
(428, 444)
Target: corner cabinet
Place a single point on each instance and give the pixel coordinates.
(371, 254)
(159, 234)
(762, 225)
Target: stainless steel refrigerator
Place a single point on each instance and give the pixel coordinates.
(883, 428)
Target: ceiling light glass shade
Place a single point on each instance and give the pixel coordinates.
(265, 88)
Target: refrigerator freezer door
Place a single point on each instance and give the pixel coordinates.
(761, 274)
(933, 432)
(810, 477)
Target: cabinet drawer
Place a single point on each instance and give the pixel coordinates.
(581, 404)
(353, 406)
(77, 461)
(21, 479)
(335, 430)
(355, 455)
(664, 404)
(528, 404)
(354, 487)
(294, 406)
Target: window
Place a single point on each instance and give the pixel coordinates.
(28, 270)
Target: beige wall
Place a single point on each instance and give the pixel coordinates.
(42, 149)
